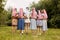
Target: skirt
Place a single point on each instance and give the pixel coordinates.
(20, 24)
(14, 22)
(39, 22)
(44, 26)
(27, 20)
(33, 24)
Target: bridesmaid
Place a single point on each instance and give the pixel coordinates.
(39, 22)
(44, 21)
(21, 21)
(33, 21)
(14, 19)
(27, 20)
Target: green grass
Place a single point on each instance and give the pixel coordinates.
(51, 34)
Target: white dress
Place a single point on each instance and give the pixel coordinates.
(27, 13)
(44, 24)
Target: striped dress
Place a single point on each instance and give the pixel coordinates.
(44, 21)
(39, 19)
(33, 25)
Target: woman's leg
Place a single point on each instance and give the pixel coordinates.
(39, 30)
(14, 28)
(22, 25)
(26, 27)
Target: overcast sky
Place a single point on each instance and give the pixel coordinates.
(19, 3)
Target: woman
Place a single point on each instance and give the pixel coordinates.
(39, 22)
(44, 20)
(27, 20)
(14, 20)
(33, 21)
(21, 21)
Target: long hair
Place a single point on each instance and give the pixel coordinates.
(21, 12)
(34, 13)
(39, 15)
(45, 14)
(14, 11)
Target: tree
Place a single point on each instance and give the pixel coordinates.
(3, 13)
(53, 11)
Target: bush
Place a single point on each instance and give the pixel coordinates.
(9, 23)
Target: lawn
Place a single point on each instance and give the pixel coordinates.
(6, 34)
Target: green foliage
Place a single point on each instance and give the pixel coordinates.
(1, 13)
(53, 10)
(5, 16)
(8, 22)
